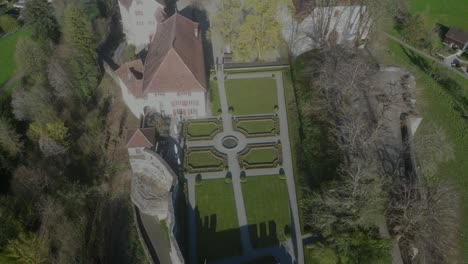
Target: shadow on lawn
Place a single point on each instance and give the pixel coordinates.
(215, 245)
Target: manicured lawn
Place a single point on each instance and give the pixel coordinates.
(267, 209)
(259, 155)
(202, 129)
(7, 54)
(251, 96)
(452, 13)
(203, 158)
(260, 127)
(218, 232)
(214, 98)
(439, 106)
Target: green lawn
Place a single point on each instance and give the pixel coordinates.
(7, 54)
(214, 98)
(258, 127)
(267, 209)
(251, 96)
(316, 254)
(202, 129)
(203, 159)
(452, 13)
(439, 106)
(261, 155)
(218, 232)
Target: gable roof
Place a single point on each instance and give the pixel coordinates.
(175, 58)
(457, 35)
(141, 137)
(131, 73)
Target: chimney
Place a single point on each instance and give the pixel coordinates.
(195, 31)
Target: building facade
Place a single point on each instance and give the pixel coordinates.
(140, 19)
(172, 80)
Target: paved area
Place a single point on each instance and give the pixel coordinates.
(293, 253)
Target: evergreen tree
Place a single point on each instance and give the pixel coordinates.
(39, 14)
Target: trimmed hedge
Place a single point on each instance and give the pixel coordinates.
(208, 160)
(202, 129)
(257, 126)
(246, 162)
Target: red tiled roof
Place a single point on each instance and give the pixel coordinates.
(131, 73)
(141, 137)
(175, 58)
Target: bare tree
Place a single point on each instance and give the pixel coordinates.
(425, 220)
(9, 139)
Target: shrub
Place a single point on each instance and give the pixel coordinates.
(228, 179)
(8, 23)
(198, 180)
(243, 177)
(231, 109)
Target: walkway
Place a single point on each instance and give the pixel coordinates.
(425, 55)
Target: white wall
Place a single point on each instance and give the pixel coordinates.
(139, 21)
(165, 102)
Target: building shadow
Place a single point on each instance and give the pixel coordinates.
(213, 244)
(264, 234)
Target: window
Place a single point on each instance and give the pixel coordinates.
(140, 23)
(184, 93)
(159, 94)
(139, 2)
(138, 13)
(138, 151)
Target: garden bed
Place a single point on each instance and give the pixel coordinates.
(208, 159)
(203, 129)
(260, 156)
(257, 126)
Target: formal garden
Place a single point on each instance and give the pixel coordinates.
(204, 159)
(259, 156)
(251, 96)
(218, 231)
(257, 126)
(203, 129)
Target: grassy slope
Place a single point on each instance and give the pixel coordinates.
(452, 13)
(251, 96)
(7, 54)
(218, 231)
(438, 107)
(266, 205)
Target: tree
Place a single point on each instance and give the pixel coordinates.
(52, 137)
(9, 139)
(39, 14)
(78, 35)
(8, 23)
(26, 249)
(416, 33)
(259, 36)
(31, 57)
(227, 21)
